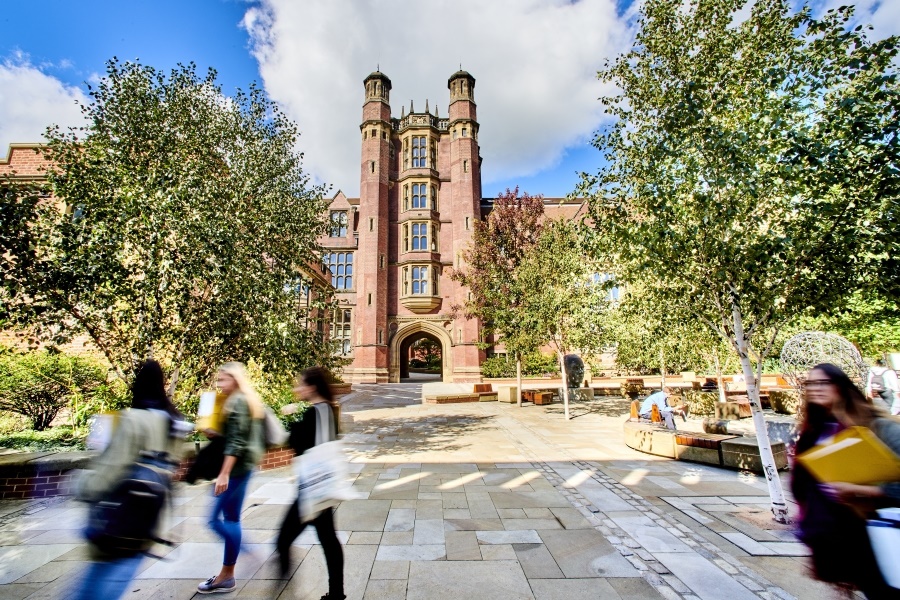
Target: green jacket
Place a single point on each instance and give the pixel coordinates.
(244, 435)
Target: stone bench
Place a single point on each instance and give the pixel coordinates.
(732, 451)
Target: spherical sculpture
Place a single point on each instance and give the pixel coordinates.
(574, 370)
(805, 350)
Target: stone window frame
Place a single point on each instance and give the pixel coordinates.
(422, 276)
(338, 224)
(341, 328)
(341, 266)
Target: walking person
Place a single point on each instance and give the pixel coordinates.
(830, 521)
(152, 424)
(242, 430)
(313, 387)
(883, 387)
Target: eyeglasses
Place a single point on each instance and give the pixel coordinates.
(810, 383)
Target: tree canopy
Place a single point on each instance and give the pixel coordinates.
(488, 270)
(750, 166)
(188, 231)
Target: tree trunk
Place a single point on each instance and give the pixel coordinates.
(776, 493)
(565, 382)
(519, 377)
(719, 379)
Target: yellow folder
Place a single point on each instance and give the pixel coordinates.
(855, 455)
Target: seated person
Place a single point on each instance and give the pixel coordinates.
(660, 399)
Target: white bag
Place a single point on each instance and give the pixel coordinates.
(275, 433)
(322, 474)
(884, 535)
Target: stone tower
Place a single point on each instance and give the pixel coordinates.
(370, 348)
(420, 196)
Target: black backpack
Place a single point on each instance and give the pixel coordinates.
(124, 522)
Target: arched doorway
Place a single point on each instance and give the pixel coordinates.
(421, 354)
(417, 340)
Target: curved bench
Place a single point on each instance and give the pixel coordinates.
(732, 451)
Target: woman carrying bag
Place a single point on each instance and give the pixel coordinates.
(243, 434)
(830, 520)
(313, 387)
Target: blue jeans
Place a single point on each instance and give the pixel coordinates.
(228, 505)
(107, 579)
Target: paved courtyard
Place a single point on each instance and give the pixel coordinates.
(483, 500)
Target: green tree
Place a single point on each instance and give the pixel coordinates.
(189, 225)
(40, 384)
(496, 250)
(746, 164)
(651, 333)
(566, 299)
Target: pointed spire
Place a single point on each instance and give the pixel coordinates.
(436, 111)
(411, 109)
(426, 106)
(402, 111)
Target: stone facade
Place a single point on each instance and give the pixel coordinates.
(392, 249)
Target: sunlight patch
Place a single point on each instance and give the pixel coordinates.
(409, 478)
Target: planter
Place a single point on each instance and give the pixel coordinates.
(341, 389)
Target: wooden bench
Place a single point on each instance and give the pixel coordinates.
(655, 416)
(485, 392)
(539, 397)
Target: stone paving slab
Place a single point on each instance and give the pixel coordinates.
(487, 500)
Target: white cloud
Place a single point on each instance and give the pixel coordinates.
(535, 64)
(30, 100)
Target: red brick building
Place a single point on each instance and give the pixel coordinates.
(390, 251)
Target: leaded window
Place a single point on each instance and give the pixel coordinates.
(419, 149)
(341, 266)
(338, 224)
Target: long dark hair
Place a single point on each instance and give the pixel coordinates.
(317, 377)
(850, 399)
(149, 389)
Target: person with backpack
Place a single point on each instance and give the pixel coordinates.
(883, 388)
(243, 430)
(313, 387)
(127, 485)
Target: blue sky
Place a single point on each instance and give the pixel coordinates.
(68, 44)
(535, 63)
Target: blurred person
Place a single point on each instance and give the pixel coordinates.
(883, 387)
(243, 414)
(661, 400)
(313, 387)
(152, 424)
(829, 524)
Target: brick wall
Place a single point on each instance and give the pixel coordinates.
(43, 474)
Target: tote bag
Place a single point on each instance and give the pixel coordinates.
(322, 474)
(884, 535)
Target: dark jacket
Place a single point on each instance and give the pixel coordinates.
(303, 431)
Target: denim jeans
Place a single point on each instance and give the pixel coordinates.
(107, 579)
(228, 505)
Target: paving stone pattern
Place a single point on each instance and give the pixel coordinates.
(479, 500)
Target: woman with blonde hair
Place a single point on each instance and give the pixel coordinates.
(243, 430)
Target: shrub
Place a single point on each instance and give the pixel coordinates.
(40, 384)
(62, 438)
(498, 366)
(534, 364)
(701, 404)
